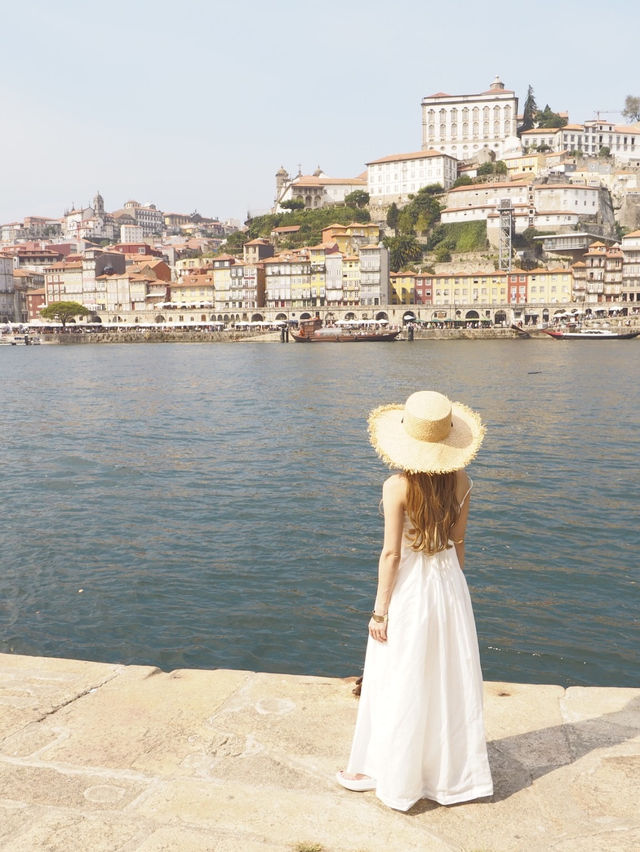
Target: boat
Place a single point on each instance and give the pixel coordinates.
(589, 334)
(520, 331)
(313, 331)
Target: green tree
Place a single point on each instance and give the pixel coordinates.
(443, 255)
(500, 167)
(485, 169)
(293, 204)
(631, 109)
(548, 118)
(529, 111)
(604, 151)
(463, 180)
(234, 242)
(64, 311)
(393, 214)
(403, 250)
(357, 198)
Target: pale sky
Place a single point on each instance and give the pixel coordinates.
(195, 104)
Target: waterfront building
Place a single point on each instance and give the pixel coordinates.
(395, 177)
(318, 268)
(374, 275)
(351, 280)
(604, 268)
(222, 281)
(464, 126)
(193, 290)
(33, 301)
(549, 286)
(631, 267)
(517, 290)
(7, 290)
(334, 292)
(247, 285)
(316, 190)
(402, 288)
(423, 287)
(81, 278)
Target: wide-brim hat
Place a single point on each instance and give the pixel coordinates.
(428, 434)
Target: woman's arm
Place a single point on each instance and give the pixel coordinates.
(393, 499)
(459, 528)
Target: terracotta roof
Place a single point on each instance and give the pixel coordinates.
(545, 130)
(499, 185)
(632, 234)
(286, 229)
(413, 155)
(259, 241)
(312, 180)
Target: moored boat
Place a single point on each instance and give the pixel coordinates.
(313, 331)
(590, 334)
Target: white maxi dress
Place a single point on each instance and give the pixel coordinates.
(420, 728)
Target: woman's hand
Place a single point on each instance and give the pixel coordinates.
(378, 630)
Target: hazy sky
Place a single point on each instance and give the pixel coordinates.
(195, 104)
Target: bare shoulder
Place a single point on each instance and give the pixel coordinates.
(395, 487)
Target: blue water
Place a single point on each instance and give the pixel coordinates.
(218, 504)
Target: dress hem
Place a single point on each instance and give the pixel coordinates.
(467, 796)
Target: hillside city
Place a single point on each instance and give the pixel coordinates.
(503, 216)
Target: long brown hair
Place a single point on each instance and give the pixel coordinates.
(432, 508)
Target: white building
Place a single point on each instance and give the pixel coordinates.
(465, 125)
(374, 275)
(623, 141)
(546, 206)
(131, 234)
(395, 177)
(316, 190)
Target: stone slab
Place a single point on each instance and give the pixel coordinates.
(104, 757)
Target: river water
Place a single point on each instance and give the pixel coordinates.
(216, 505)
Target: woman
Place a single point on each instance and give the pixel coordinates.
(420, 731)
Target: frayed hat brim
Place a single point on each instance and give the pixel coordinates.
(399, 450)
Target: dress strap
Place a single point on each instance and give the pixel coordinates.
(467, 492)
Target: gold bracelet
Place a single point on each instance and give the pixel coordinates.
(381, 619)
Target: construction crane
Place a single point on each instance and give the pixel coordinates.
(600, 112)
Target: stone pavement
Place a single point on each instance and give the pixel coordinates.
(109, 757)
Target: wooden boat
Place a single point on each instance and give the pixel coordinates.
(590, 334)
(313, 331)
(520, 331)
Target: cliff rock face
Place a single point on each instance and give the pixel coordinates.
(629, 212)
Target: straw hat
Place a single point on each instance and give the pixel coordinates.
(429, 433)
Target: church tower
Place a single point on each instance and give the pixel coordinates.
(98, 206)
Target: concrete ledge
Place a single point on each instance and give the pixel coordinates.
(104, 757)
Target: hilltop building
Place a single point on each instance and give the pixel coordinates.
(316, 190)
(395, 177)
(464, 126)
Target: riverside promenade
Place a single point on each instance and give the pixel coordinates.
(97, 756)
